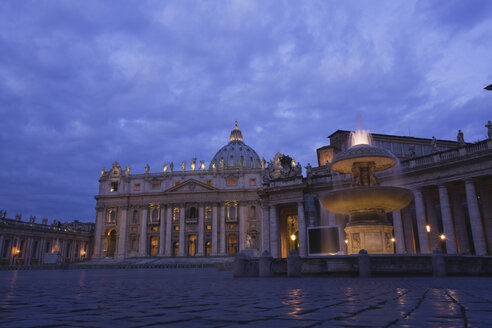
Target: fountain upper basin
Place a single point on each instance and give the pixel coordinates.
(383, 159)
(360, 199)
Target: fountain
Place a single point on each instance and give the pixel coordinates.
(366, 201)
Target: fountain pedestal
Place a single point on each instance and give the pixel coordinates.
(375, 239)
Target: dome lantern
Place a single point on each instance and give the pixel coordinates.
(236, 134)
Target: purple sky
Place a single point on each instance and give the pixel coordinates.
(86, 83)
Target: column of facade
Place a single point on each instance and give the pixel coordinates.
(459, 220)
(181, 250)
(1, 244)
(398, 229)
(447, 220)
(42, 249)
(421, 222)
(169, 217)
(162, 230)
(434, 236)
(201, 212)
(265, 229)
(97, 234)
(273, 231)
(215, 230)
(222, 250)
(301, 226)
(142, 247)
(475, 220)
(242, 223)
(27, 256)
(122, 227)
(486, 212)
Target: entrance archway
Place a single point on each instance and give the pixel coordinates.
(232, 244)
(289, 231)
(154, 245)
(110, 242)
(192, 245)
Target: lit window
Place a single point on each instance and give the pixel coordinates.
(136, 187)
(176, 183)
(232, 226)
(176, 228)
(114, 186)
(155, 228)
(208, 227)
(155, 185)
(252, 182)
(176, 214)
(231, 182)
(209, 182)
(208, 212)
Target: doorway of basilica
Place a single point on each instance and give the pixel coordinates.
(154, 245)
(110, 242)
(289, 233)
(192, 245)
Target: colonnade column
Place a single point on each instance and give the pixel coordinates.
(475, 220)
(181, 250)
(398, 229)
(214, 230)
(1, 244)
(301, 226)
(486, 211)
(27, 256)
(122, 224)
(97, 234)
(222, 230)
(162, 228)
(265, 230)
(242, 222)
(201, 212)
(273, 231)
(447, 220)
(142, 248)
(459, 221)
(169, 218)
(421, 222)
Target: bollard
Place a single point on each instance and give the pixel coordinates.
(438, 264)
(265, 265)
(364, 264)
(240, 265)
(293, 264)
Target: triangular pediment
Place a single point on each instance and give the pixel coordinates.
(191, 185)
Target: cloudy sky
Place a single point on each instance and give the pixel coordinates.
(87, 83)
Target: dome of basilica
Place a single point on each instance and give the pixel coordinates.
(236, 154)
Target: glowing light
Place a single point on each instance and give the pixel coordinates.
(393, 239)
(293, 237)
(442, 236)
(346, 241)
(360, 137)
(428, 228)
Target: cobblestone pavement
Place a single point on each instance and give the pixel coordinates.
(211, 298)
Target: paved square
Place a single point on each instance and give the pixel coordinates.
(211, 298)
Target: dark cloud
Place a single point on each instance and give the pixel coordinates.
(83, 84)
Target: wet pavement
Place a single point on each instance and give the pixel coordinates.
(212, 298)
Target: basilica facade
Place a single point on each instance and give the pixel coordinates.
(242, 203)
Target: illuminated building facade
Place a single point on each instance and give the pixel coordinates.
(30, 243)
(239, 203)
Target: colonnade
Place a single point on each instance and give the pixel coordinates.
(445, 224)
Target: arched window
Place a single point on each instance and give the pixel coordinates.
(232, 212)
(192, 213)
(252, 211)
(176, 214)
(208, 212)
(111, 216)
(155, 215)
(208, 248)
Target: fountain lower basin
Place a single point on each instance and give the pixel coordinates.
(367, 199)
